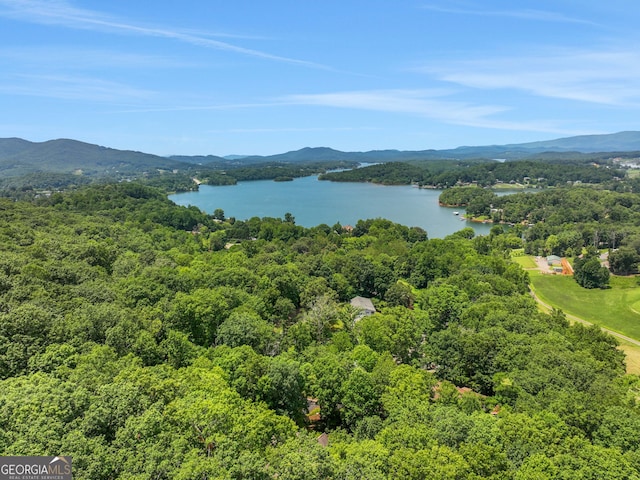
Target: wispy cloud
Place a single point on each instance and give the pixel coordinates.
(605, 77)
(202, 105)
(434, 104)
(419, 102)
(72, 88)
(295, 129)
(60, 12)
(424, 103)
(523, 14)
(84, 58)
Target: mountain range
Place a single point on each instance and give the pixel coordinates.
(20, 157)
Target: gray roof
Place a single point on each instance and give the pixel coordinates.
(364, 303)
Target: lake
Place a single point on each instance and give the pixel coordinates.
(313, 202)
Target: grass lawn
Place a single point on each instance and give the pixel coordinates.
(508, 186)
(617, 308)
(525, 261)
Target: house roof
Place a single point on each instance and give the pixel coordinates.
(363, 303)
(553, 259)
(324, 439)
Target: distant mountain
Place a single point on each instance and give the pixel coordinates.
(199, 159)
(307, 154)
(303, 155)
(614, 142)
(12, 146)
(317, 154)
(329, 154)
(20, 157)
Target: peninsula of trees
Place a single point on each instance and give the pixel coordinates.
(538, 173)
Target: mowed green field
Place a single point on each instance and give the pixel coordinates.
(616, 308)
(525, 261)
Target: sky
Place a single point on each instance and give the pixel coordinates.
(266, 77)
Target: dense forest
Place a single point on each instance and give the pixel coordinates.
(154, 341)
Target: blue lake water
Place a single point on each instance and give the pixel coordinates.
(313, 202)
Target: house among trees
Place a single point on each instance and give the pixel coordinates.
(324, 439)
(365, 305)
(555, 262)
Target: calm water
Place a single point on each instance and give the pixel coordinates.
(313, 202)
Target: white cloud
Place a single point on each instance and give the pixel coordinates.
(604, 77)
(60, 12)
(424, 103)
(72, 88)
(295, 129)
(83, 58)
(418, 102)
(523, 14)
(432, 104)
(201, 106)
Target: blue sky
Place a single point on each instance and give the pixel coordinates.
(264, 77)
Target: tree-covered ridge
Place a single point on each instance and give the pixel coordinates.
(19, 157)
(133, 340)
(274, 170)
(539, 173)
(398, 173)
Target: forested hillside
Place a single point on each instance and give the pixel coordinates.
(20, 157)
(151, 341)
